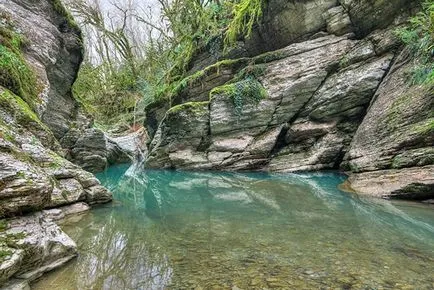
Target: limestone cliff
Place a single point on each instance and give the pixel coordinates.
(54, 51)
(40, 53)
(332, 96)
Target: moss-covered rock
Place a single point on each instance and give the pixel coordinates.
(19, 114)
(15, 73)
(184, 129)
(41, 67)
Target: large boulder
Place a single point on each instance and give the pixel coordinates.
(33, 177)
(94, 150)
(369, 15)
(32, 245)
(396, 133)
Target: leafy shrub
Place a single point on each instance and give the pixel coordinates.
(249, 90)
(162, 64)
(419, 38)
(106, 96)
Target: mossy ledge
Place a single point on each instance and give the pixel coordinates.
(15, 73)
(248, 90)
(20, 109)
(239, 68)
(23, 116)
(60, 8)
(195, 107)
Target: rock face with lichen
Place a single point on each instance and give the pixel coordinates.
(34, 120)
(54, 52)
(336, 96)
(392, 152)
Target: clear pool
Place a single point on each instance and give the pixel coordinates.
(213, 230)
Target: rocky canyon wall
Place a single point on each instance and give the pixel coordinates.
(334, 95)
(40, 52)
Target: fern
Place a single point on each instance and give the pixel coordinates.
(245, 14)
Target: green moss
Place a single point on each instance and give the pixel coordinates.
(254, 71)
(245, 14)
(15, 73)
(22, 156)
(169, 92)
(227, 90)
(8, 241)
(425, 127)
(4, 254)
(344, 62)
(242, 92)
(394, 114)
(196, 107)
(60, 8)
(270, 56)
(418, 35)
(57, 161)
(21, 110)
(3, 225)
(5, 132)
(11, 240)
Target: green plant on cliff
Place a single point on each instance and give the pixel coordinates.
(248, 90)
(20, 109)
(245, 14)
(162, 63)
(60, 8)
(419, 38)
(15, 73)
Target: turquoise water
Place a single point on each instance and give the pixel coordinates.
(186, 230)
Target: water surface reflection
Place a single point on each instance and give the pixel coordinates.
(184, 230)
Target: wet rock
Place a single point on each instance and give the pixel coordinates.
(89, 151)
(93, 150)
(351, 88)
(67, 191)
(98, 194)
(23, 187)
(34, 177)
(65, 211)
(132, 144)
(180, 134)
(37, 245)
(407, 183)
(396, 133)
